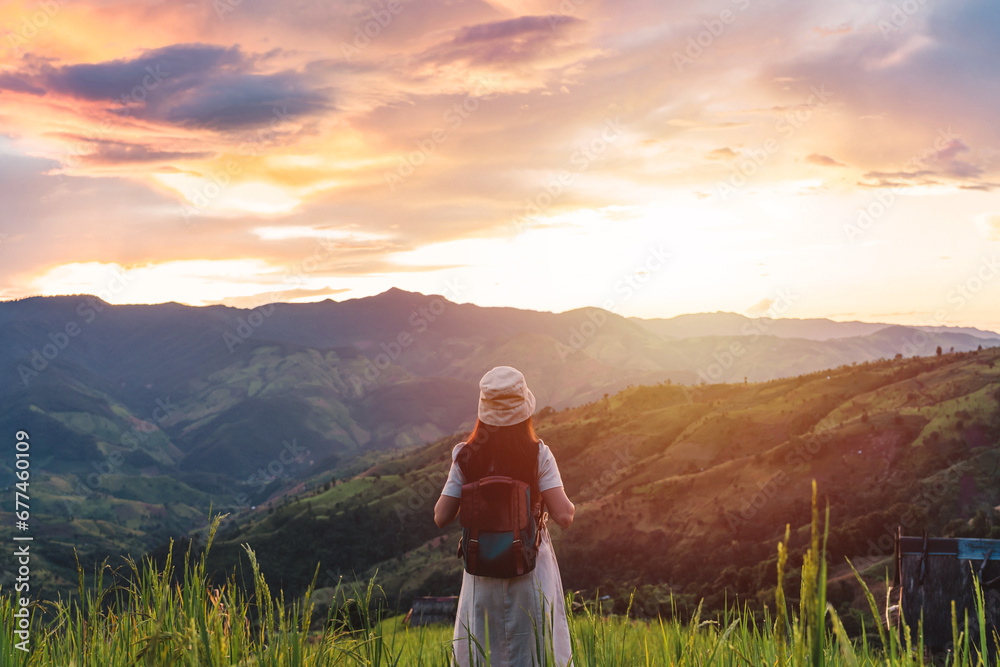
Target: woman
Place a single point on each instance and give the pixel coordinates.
(520, 608)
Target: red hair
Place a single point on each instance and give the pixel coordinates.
(501, 450)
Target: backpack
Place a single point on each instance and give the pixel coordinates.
(500, 527)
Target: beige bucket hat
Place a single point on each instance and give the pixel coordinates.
(504, 397)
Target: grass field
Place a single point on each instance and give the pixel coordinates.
(149, 617)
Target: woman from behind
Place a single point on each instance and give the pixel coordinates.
(524, 616)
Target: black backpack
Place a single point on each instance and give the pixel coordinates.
(501, 527)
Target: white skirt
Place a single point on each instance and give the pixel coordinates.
(520, 612)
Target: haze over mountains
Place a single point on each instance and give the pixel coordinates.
(142, 416)
(733, 324)
(170, 342)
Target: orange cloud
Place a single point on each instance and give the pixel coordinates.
(822, 160)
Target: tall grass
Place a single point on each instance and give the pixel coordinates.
(152, 617)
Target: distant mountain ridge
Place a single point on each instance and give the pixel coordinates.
(734, 324)
(429, 336)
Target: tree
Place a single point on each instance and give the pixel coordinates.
(939, 350)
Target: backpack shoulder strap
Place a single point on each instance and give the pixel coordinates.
(537, 502)
(520, 509)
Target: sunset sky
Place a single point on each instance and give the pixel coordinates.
(799, 159)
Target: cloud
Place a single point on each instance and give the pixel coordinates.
(513, 41)
(841, 29)
(761, 308)
(898, 179)
(946, 157)
(823, 160)
(198, 86)
(933, 166)
(289, 295)
(120, 152)
(185, 66)
(18, 84)
(724, 153)
(513, 28)
(950, 150)
(981, 187)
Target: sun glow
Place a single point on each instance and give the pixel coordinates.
(223, 195)
(194, 282)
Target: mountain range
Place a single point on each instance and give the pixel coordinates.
(143, 416)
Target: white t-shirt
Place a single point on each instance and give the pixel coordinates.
(548, 472)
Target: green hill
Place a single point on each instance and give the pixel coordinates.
(683, 490)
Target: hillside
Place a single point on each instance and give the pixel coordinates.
(684, 490)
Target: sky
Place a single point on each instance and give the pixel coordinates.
(779, 158)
